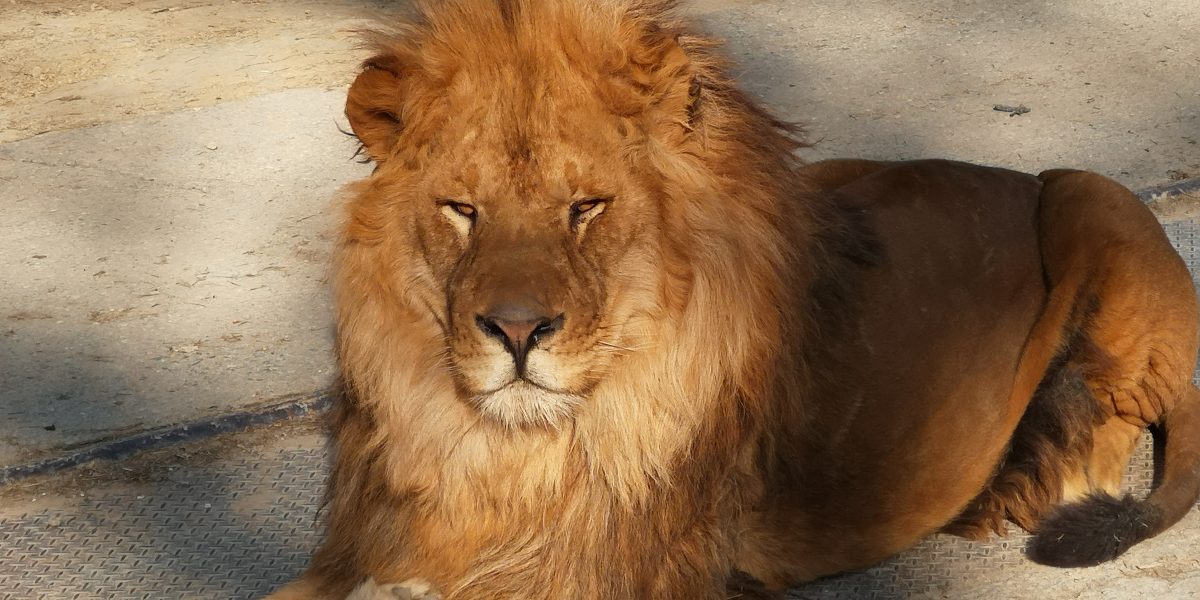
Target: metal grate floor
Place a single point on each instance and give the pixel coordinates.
(235, 529)
(244, 524)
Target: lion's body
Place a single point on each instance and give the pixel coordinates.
(759, 373)
(983, 291)
(925, 400)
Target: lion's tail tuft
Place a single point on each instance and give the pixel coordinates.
(1100, 527)
(1095, 530)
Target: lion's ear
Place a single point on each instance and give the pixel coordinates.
(668, 68)
(373, 107)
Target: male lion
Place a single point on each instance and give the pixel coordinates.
(601, 335)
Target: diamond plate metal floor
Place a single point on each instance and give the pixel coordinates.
(242, 524)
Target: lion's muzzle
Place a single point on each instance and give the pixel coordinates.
(519, 326)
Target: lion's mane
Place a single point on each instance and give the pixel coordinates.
(418, 476)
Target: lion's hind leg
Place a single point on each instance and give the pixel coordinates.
(1136, 334)
(1113, 443)
(1126, 312)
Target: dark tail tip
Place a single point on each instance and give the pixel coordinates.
(1095, 530)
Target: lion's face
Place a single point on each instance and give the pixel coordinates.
(536, 237)
(529, 234)
(521, 197)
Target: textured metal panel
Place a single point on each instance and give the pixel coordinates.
(233, 531)
(246, 526)
(241, 527)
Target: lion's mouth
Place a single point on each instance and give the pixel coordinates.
(523, 380)
(522, 403)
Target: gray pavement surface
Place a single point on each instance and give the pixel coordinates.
(1110, 84)
(165, 264)
(166, 269)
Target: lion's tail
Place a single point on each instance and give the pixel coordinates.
(1102, 527)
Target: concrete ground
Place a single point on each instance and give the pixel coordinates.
(169, 168)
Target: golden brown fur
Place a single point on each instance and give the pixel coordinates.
(734, 357)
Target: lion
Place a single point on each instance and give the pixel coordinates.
(601, 334)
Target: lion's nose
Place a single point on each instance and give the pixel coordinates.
(518, 327)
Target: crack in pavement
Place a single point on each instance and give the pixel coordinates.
(110, 171)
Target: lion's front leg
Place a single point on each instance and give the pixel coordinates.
(413, 589)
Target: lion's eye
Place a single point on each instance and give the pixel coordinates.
(462, 208)
(460, 214)
(586, 209)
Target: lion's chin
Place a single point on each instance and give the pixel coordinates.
(521, 404)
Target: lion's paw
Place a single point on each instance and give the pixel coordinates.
(413, 589)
